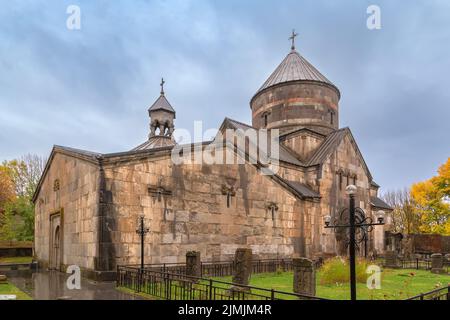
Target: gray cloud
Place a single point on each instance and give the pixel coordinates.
(91, 88)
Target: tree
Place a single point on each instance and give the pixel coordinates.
(25, 173)
(18, 182)
(432, 201)
(18, 220)
(405, 217)
(6, 188)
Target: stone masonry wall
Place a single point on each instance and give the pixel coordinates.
(196, 216)
(334, 198)
(78, 197)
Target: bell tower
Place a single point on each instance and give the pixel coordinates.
(162, 116)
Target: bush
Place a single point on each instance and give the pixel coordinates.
(337, 271)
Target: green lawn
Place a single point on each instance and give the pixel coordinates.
(396, 284)
(7, 288)
(15, 259)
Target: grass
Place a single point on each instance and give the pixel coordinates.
(15, 259)
(134, 293)
(8, 288)
(396, 284)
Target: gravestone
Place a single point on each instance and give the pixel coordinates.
(304, 276)
(242, 268)
(193, 264)
(437, 263)
(3, 278)
(391, 260)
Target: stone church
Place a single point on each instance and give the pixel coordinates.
(88, 204)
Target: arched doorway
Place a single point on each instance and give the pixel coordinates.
(55, 242)
(56, 248)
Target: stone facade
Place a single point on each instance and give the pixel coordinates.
(88, 204)
(65, 214)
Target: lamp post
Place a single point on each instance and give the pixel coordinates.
(142, 230)
(357, 221)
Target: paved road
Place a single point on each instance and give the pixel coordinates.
(52, 285)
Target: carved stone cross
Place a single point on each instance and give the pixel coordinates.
(158, 192)
(229, 192)
(272, 206)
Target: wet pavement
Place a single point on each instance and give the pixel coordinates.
(52, 286)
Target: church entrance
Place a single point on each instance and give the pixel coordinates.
(55, 242)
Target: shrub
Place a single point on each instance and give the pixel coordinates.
(337, 271)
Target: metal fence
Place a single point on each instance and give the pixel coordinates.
(437, 294)
(173, 286)
(417, 264)
(222, 268)
(421, 264)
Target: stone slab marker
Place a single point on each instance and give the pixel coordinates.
(391, 260)
(304, 276)
(193, 264)
(243, 267)
(437, 263)
(3, 279)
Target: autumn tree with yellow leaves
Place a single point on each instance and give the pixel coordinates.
(432, 202)
(18, 182)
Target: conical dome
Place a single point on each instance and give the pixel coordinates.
(294, 68)
(296, 95)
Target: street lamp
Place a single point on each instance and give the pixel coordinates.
(142, 230)
(356, 219)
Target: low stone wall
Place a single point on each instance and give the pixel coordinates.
(430, 243)
(16, 248)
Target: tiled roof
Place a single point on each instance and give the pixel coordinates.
(161, 104)
(284, 154)
(378, 203)
(303, 189)
(330, 143)
(155, 142)
(293, 68)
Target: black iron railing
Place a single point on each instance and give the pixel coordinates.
(437, 294)
(172, 286)
(223, 268)
(418, 264)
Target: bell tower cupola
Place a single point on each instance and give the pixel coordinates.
(162, 116)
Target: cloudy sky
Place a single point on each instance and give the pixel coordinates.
(90, 88)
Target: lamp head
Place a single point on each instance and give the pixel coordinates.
(327, 220)
(351, 189)
(380, 216)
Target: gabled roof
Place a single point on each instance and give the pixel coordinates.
(327, 147)
(303, 189)
(284, 154)
(89, 156)
(295, 68)
(330, 144)
(161, 104)
(301, 130)
(379, 203)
